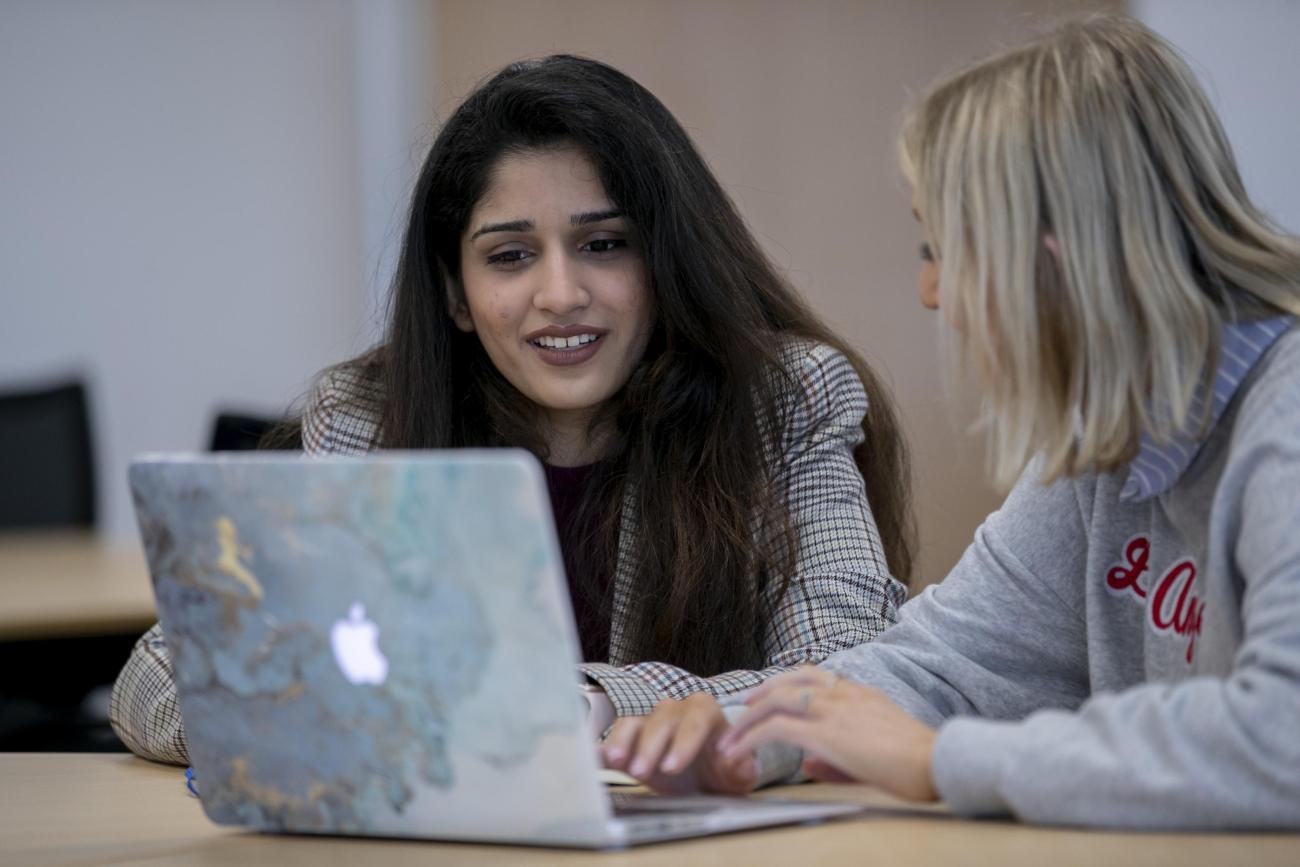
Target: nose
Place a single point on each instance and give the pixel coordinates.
(560, 288)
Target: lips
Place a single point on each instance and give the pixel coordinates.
(563, 345)
(562, 351)
(566, 331)
(547, 341)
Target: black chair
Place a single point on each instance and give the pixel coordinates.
(47, 481)
(237, 432)
(47, 464)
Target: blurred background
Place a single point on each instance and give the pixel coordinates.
(201, 204)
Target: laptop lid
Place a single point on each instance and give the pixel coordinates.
(377, 646)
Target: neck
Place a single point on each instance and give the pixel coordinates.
(571, 441)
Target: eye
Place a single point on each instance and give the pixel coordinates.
(604, 245)
(508, 259)
(927, 255)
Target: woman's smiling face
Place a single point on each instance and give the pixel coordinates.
(554, 283)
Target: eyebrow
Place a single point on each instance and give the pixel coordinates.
(512, 226)
(595, 217)
(527, 225)
(582, 219)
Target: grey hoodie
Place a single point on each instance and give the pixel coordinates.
(1095, 661)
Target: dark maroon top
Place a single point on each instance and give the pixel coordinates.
(584, 559)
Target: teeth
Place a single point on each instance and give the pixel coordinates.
(565, 342)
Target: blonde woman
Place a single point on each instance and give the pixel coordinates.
(1120, 645)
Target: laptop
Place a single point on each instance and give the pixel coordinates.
(384, 646)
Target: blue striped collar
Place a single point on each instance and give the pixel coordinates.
(1157, 468)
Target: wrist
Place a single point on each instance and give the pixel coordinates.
(927, 790)
(600, 710)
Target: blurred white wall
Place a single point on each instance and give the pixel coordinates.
(397, 77)
(1247, 56)
(197, 201)
(201, 202)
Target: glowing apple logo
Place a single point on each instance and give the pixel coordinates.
(356, 647)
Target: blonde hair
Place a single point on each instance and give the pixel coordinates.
(1092, 234)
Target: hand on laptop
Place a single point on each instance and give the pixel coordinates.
(848, 732)
(675, 749)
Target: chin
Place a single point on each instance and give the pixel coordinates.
(570, 402)
(560, 405)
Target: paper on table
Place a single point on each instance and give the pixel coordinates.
(611, 777)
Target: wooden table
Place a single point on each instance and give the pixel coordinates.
(56, 584)
(70, 809)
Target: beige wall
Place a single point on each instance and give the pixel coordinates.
(795, 105)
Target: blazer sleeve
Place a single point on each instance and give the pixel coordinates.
(143, 709)
(841, 593)
(342, 412)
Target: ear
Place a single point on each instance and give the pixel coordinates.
(1053, 247)
(1049, 269)
(456, 307)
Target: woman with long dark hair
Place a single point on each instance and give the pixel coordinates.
(574, 281)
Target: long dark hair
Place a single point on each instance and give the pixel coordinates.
(695, 421)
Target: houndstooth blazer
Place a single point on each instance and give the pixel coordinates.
(841, 594)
